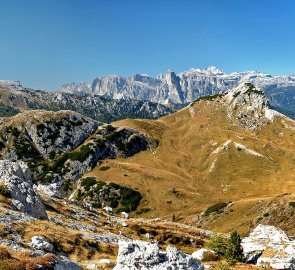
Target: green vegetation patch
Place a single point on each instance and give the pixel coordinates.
(252, 89)
(6, 111)
(104, 168)
(208, 98)
(229, 248)
(100, 193)
(215, 208)
(292, 204)
(4, 191)
(83, 154)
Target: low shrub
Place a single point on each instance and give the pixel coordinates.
(292, 204)
(215, 208)
(104, 168)
(4, 191)
(110, 128)
(85, 152)
(88, 182)
(230, 248)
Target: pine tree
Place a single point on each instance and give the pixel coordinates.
(234, 252)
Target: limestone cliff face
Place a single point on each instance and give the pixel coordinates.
(16, 177)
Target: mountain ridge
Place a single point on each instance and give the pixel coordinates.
(187, 86)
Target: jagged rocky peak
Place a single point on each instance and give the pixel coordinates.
(249, 106)
(76, 88)
(247, 94)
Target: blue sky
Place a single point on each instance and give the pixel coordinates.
(45, 43)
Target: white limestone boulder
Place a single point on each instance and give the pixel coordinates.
(268, 246)
(143, 255)
(16, 177)
(39, 243)
(203, 254)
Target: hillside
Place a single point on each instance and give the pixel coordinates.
(75, 192)
(229, 149)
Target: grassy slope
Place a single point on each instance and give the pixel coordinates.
(179, 177)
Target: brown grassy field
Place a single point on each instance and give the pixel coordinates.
(189, 171)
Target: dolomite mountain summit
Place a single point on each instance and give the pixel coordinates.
(187, 86)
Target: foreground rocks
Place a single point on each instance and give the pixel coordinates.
(268, 246)
(16, 178)
(143, 255)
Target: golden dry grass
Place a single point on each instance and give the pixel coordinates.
(184, 176)
(10, 260)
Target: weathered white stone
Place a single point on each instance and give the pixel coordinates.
(202, 253)
(108, 209)
(16, 177)
(39, 243)
(268, 246)
(143, 255)
(124, 215)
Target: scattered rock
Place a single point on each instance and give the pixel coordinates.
(268, 246)
(204, 254)
(143, 255)
(108, 209)
(50, 190)
(16, 177)
(39, 243)
(124, 215)
(64, 263)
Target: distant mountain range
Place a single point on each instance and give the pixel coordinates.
(114, 97)
(14, 99)
(187, 86)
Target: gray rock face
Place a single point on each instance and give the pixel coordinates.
(16, 177)
(144, 256)
(268, 246)
(92, 105)
(64, 263)
(66, 131)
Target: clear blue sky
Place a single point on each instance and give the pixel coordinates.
(45, 43)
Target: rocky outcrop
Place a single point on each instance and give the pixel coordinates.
(249, 106)
(268, 246)
(109, 196)
(108, 142)
(16, 177)
(63, 131)
(144, 255)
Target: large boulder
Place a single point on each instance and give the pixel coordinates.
(39, 243)
(268, 246)
(16, 177)
(143, 255)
